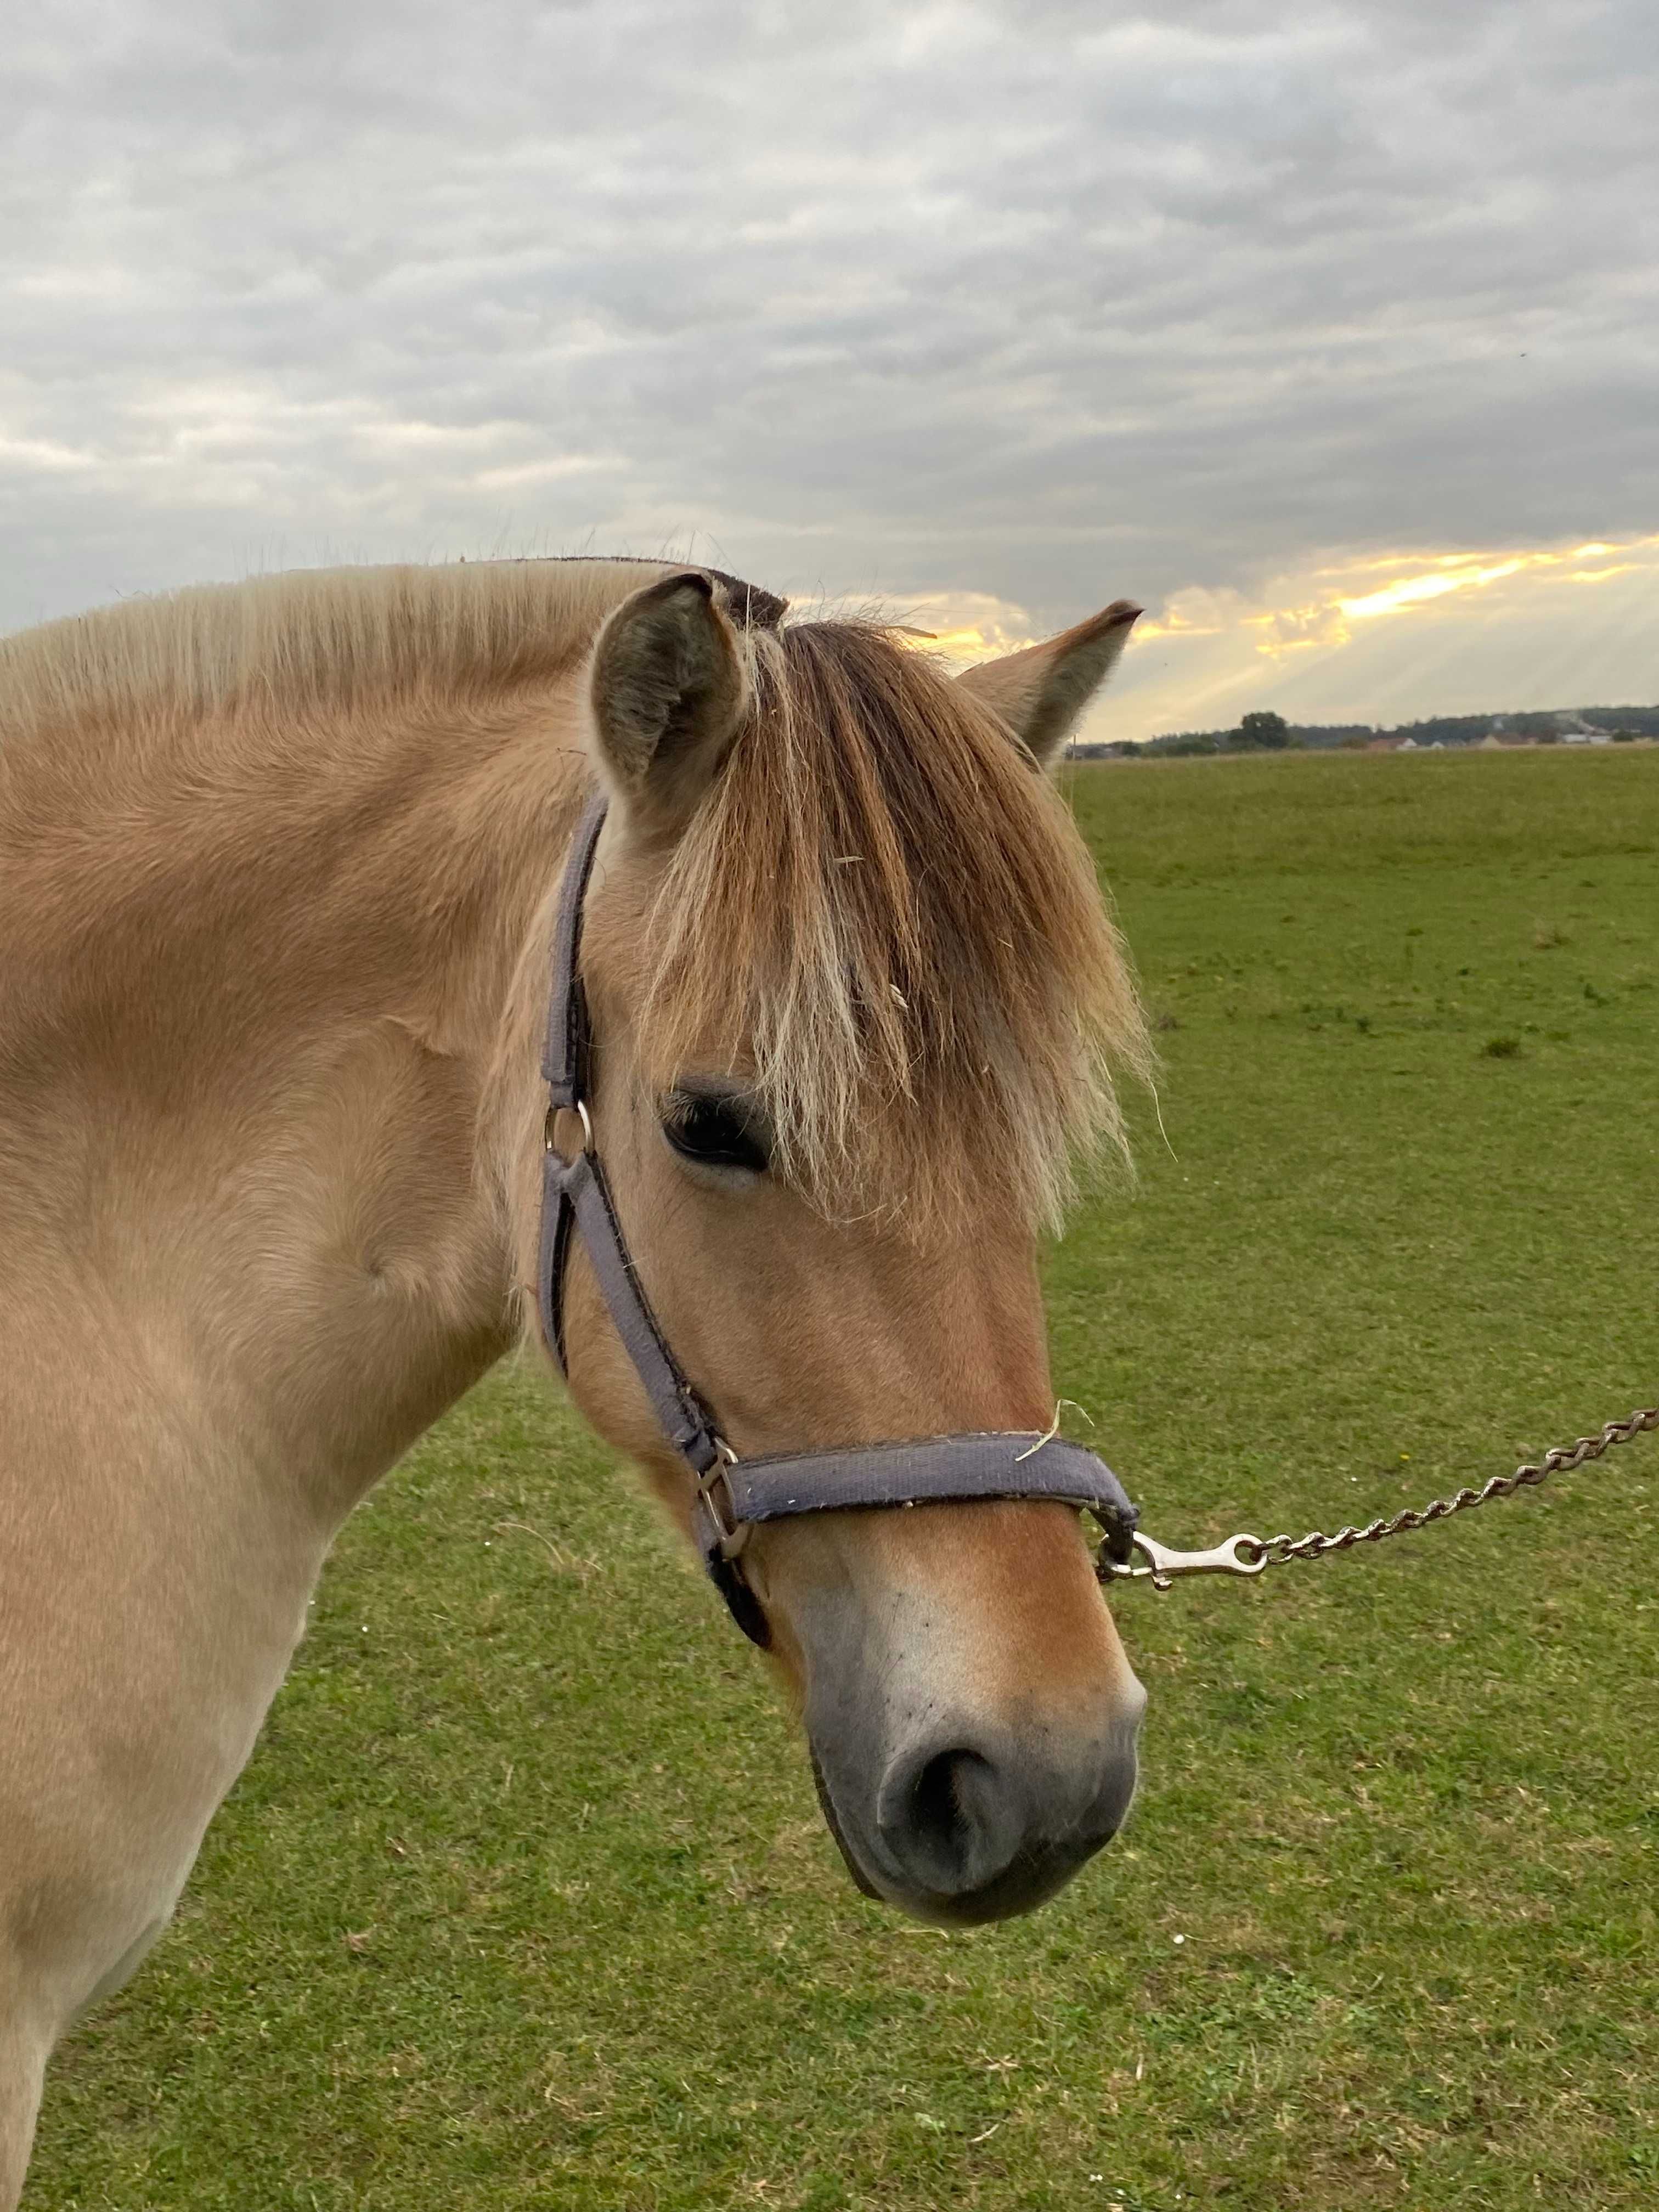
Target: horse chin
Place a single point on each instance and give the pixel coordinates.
(827, 1806)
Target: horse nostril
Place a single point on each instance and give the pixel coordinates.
(971, 1835)
(937, 1810)
(950, 1818)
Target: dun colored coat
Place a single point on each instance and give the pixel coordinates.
(276, 864)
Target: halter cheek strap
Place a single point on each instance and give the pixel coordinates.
(576, 1198)
(734, 1494)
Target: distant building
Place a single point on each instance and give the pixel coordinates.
(1576, 731)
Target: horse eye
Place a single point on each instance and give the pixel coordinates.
(714, 1130)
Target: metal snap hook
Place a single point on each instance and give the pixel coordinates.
(1239, 1555)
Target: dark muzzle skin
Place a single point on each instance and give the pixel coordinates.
(959, 1805)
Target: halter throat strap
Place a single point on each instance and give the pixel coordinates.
(734, 1494)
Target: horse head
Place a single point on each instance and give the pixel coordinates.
(853, 1002)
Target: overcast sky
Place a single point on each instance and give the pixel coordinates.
(1330, 333)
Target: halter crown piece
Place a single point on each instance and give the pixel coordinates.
(733, 1493)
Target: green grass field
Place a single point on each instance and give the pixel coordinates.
(525, 1899)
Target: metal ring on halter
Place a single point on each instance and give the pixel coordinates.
(580, 1109)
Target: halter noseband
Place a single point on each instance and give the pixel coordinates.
(733, 1493)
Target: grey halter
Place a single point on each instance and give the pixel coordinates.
(734, 1494)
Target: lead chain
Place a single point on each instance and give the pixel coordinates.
(1280, 1551)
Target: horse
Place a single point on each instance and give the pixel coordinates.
(277, 898)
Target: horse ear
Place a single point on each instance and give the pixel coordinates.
(1042, 692)
(669, 694)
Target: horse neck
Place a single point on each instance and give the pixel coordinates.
(247, 1053)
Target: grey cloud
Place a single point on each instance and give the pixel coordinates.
(1046, 300)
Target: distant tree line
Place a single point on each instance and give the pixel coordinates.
(1262, 732)
(1266, 732)
(1541, 727)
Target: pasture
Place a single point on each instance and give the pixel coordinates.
(525, 1901)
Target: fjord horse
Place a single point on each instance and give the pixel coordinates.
(278, 875)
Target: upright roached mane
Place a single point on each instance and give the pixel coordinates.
(312, 641)
(884, 917)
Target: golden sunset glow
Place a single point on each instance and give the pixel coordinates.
(1421, 583)
(1409, 591)
(1460, 572)
(1309, 642)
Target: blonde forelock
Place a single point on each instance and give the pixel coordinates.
(886, 921)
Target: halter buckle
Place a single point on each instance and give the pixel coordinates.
(731, 1533)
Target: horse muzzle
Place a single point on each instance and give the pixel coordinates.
(958, 1819)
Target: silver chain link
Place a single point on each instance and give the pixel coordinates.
(1249, 1555)
(1278, 1551)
